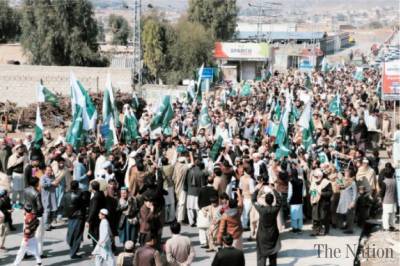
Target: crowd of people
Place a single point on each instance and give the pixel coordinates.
(234, 175)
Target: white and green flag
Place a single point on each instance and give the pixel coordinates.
(324, 65)
(307, 125)
(75, 131)
(190, 94)
(111, 138)
(163, 116)
(45, 95)
(204, 119)
(246, 90)
(38, 130)
(199, 79)
(130, 126)
(335, 106)
(282, 136)
(359, 74)
(81, 98)
(109, 108)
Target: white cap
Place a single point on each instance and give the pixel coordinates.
(104, 211)
(106, 164)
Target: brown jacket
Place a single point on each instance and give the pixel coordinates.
(145, 219)
(231, 224)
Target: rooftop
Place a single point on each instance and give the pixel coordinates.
(246, 35)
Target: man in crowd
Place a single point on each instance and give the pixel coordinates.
(228, 255)
(75, 210)
(178, 248)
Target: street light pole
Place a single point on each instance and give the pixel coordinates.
(136, 71)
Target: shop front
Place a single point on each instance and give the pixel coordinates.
(247, 59)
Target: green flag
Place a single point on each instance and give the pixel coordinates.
(109, 108)
(168, 115)
(294, 115)
(335, 106)
(269, 73)
(307, 82)
(81, 98)
(45, 95)
(130, 127)
(282, 136)
(74, 135)
(246, 90)
(378, 89)
(359, 74)
(199, 79)
(277, 111)
(204, 119)
(281, 152)
(38, 130)
(164, 114)
(214, 152)
(325, 66)
(190, 92)
(322, 157)
(307, 125)
(111, 138)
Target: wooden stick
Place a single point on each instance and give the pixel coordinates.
(19, 118)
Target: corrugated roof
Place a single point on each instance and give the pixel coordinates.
(246, 35)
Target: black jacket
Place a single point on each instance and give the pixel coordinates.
(195, 179)
(32, 197)
(205, 194)
(229, 256)
(97, 203)
(268, 232)
(74, 205)
(5, 207)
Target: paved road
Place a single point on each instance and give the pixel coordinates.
(296, 249)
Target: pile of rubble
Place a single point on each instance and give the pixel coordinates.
(18, 118)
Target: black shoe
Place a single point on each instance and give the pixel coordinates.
(28, 256)
(193, 225)
(74, 257)
(43, 256)
(393, 229)
(204, 246)
(48, 229)
(12, 228)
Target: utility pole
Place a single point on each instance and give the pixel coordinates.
(136, 71)
(262, 7)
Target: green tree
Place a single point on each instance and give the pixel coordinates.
(189, 46)
(153, 43)
(60, 32)
(101, 35)
(120, 29)
(220, 16)
(9, 23)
